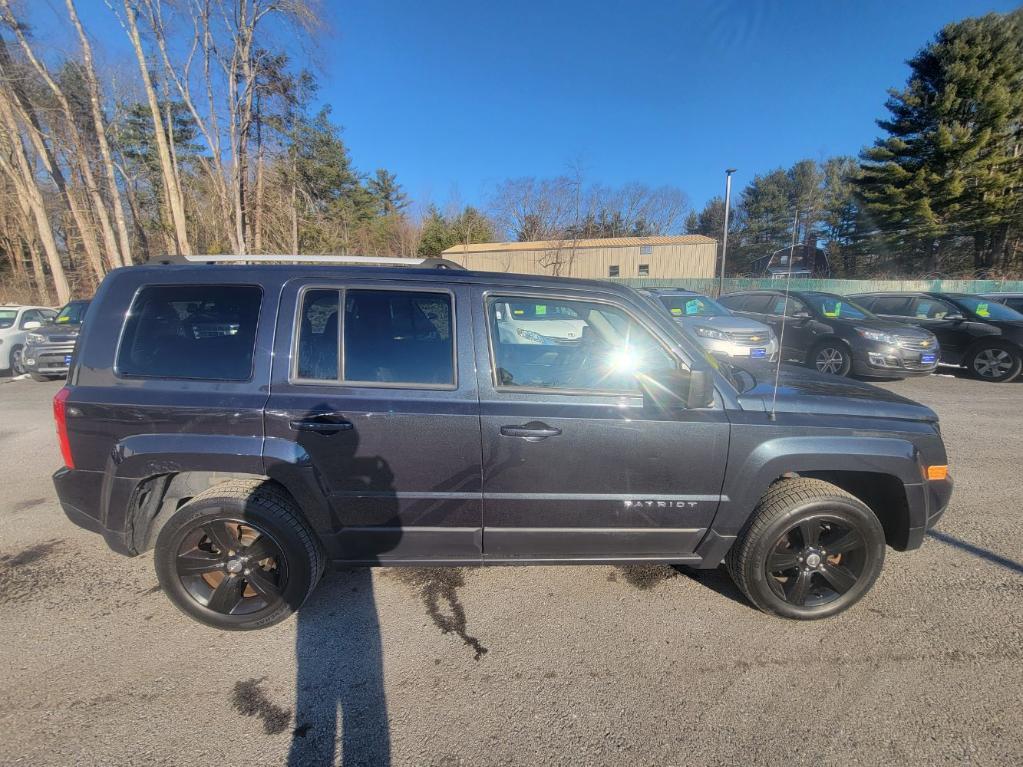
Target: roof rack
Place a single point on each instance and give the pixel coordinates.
(422, 263)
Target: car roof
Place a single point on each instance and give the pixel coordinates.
(673, 292)
(250, 274)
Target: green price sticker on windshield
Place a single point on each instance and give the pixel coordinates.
(983, 310)
(541, 309)
(676, 311)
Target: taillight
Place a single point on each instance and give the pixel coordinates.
(60, 418)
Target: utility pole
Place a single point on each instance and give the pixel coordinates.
(724, 235)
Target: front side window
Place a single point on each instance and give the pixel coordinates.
(203, 332)
(591, 346)
(898, 306)
(932, 309)
(73, 313)
(838, 307)
(789, 308)
(389, 337)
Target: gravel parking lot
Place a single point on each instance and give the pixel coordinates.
(539, 665)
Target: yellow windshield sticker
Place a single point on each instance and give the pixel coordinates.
(983, 310)
(62, 319)
(676, 311)
(518, 311)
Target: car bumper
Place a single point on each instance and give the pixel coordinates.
(732, 349)
(48, 359)
(895, 362)
(79, 493)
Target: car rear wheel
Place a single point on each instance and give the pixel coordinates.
(810, 550)
(238, 556)
(996, 363)
(831, 357)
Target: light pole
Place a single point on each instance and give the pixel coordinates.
(724, 235)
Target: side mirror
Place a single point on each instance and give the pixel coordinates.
(955, 317)
(31, 325)
(677, 390)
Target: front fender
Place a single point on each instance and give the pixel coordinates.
(748, 477)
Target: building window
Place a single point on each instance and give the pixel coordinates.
(644, 270)
(612, 271)
(646, 250)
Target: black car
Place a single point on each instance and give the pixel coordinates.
(48, 349)
(251, 424)
(982, 335)
(836, 336)
(1010, 299)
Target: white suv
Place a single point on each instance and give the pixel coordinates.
(15, 324)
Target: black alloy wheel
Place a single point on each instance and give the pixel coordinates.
(232, 567)
(816, 561)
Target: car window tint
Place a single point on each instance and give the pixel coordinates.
(397, 337)
(899, 306)
(205, 332)
(779, 306)
(932, 309)
(319, 335)
(593, 346)
(760, 304)
(1015, 303)
(733, 302)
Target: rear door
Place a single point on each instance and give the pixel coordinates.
(955, 333)
(576, 465)
(373, 384)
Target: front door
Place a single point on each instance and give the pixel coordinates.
(367, 399)
(577, 464)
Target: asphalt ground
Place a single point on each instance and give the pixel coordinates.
(528, 665)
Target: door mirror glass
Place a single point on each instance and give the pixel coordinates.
(32, 325)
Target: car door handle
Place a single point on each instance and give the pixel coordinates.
(323, 427)
(533, 432)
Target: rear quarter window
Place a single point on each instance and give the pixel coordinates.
(201, 332)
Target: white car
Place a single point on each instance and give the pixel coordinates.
(533, 323)
(15, 324)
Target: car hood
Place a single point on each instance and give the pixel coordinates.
(55, 332)
(730, 324)
(801, 390)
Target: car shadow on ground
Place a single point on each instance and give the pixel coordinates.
(340, 675)
(717, 580)
(977, 551)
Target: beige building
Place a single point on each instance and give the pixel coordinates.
(690, 255)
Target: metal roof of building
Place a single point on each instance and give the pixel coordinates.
(609, 242)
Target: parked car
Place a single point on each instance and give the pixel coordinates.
(16, 322)
(532, 323)
(48, 349)
(836, 336)
(715, 327)
(1012, 300)
(365, 416)
(982, 335)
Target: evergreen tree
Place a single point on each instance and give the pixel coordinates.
(950, 171)
(388, 192)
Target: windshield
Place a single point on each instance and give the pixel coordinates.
(693, 306)
(72, 314)
(838, 307)
(7, 317)
(987, 309)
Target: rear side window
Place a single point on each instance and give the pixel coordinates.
(203, 332)
(389, 337)
(898, 306)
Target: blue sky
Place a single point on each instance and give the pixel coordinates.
(455, 96)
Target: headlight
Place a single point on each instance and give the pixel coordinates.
(710, 333)
(529, 335)
(35, 338)
(877, 335)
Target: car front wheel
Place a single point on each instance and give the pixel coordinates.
(238, 556)
(996, 363)
(831, 357)
(17, 361)
(810, 550)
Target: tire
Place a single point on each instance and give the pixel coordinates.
(780, 573)
(995, 362)
(227, 589)
(834, 355)
(17, 365)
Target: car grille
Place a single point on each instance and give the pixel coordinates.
(918, 343)
(61, 339)
(750, 338)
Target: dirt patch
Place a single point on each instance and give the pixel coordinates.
(437, 584)
(24, 575)
(249, 699)
(646, 577)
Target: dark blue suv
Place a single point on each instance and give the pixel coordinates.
(251, 424)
